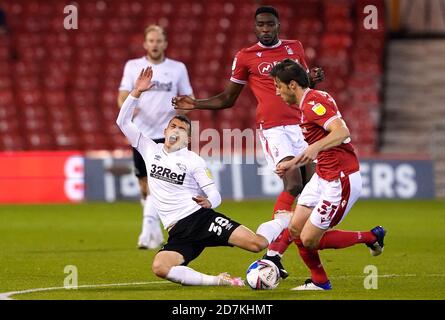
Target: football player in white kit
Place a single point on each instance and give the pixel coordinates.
(184, 195)
(154, 110)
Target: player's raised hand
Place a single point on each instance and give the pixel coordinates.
(202, 201)
(183, 103)
(316, 75)
(143, 82)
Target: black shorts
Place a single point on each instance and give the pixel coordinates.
(204, 228)
(140, 170)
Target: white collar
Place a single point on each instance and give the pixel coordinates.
(178, 152)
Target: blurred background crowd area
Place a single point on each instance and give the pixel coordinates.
(58, 87)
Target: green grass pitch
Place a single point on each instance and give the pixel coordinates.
(37, 242)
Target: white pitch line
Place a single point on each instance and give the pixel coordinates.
(8, 295)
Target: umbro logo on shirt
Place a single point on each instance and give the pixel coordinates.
(259, 54)
(166, 174)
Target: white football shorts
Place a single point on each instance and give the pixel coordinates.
(281, 142)
(330, 200)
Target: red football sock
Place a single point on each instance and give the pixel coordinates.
(312, 261)
(281, 243)
(284, 202)
(337, 239)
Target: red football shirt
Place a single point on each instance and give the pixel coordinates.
(318, 110)
(252, 65)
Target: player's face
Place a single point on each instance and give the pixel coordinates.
(176, 134)
(285, 92)
(267, 28)
(155, 44)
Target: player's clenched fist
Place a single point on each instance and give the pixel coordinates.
(282, 167)
(202, 201)
(183, 103)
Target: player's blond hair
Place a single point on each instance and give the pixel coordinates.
(157, 28)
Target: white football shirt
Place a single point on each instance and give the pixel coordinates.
(171, 79)
(174, 177)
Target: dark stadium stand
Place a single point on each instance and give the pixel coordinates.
(52, 92)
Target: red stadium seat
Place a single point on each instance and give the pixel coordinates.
(7, 126)
(40, 141)
(67, 141)
(31, 97)
(12, 142)
(95, 141)
(5, 83)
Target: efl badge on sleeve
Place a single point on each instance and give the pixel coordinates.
(319, 109)
(209, 174)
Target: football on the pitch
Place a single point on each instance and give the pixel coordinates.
(263, 275)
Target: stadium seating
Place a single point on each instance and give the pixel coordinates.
(58, 87)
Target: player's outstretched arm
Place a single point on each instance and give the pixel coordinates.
(225, 99)
(124, 119)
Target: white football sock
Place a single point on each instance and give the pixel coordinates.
(189, 277)
(151, 228)
(272, 229)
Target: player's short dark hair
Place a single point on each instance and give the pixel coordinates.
(267, 9)
(288, 70)
(183, 118)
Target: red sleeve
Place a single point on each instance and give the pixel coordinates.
(322, 112)
(240, 73)
(302, 55)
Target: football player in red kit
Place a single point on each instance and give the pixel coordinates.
(336, 184)
(279, 132)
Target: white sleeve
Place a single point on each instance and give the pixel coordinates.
(213, 195)
(184, 86)
(130, 130)
(127, 82)
(204, 178)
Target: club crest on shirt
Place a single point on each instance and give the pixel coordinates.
(289, 50)
(157, 157)
(181, 167)
(319, 109)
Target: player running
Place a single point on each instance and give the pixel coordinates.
(152, 115)
(336, 183)
(184, 195)
(280, 135)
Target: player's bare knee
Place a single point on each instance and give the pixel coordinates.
(160, 269)
(309, 243)
(257, 244)
(294, 231)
